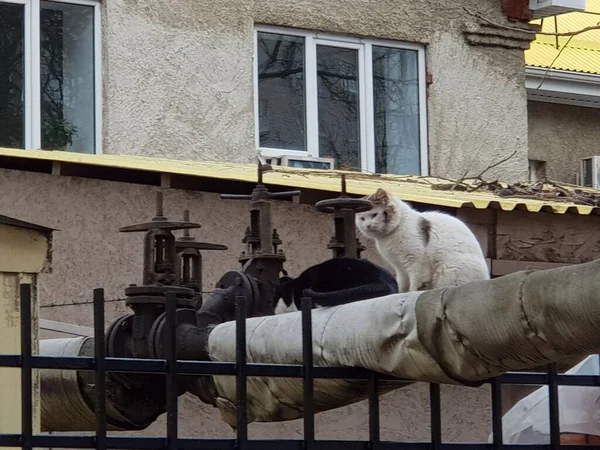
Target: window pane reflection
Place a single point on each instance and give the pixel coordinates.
(12, 95)
(339, 107)
(281, 92)
(67, 76)
(396, 111)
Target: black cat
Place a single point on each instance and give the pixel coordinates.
(334, 282)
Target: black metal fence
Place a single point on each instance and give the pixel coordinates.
(172, 368)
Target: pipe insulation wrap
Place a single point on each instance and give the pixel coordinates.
(460, 335)
(64, 406)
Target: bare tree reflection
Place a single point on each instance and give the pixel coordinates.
(396, 104)
(57, 132)
(12, 94)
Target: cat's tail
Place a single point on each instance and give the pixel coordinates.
(353, 294)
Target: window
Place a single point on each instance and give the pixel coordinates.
(49, 75)
(359, 101)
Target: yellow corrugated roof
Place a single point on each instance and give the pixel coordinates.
(409, 188)
(582, 52)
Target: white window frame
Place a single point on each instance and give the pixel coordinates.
(367, 132)
(33, 114)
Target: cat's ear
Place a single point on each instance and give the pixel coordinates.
(380, 197)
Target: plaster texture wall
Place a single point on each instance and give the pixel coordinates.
(24, 254)
(10, 343)
(88, 252)
(477, 110)
(178, 79)
(178, 76)
(561, 135)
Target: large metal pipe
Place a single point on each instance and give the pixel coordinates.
(460, 335)
(67, 396)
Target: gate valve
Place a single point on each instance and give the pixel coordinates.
(344, 243)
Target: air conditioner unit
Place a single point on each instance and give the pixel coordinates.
(590, 172)
(546, 8)
(303, 162)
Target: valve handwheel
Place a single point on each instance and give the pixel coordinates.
(344, 202)
(344, 242)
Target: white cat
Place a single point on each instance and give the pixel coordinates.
(428, 250)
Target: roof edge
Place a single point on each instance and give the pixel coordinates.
(218, 177)
(11, 221)
(562, 86)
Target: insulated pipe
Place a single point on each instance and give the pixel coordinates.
(62, 404)
(461, 335)
(66, 404)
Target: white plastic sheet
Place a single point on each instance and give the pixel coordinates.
(528, 422)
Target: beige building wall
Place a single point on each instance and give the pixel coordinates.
(178, 76)
(10, 343)
(23, 254)
(561, 135)
(88, 252)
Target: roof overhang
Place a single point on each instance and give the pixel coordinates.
(233, 178)
(562, 86)
(11, 221)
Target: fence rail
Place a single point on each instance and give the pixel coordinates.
(172, 369)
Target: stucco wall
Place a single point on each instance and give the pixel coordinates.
(178, 76)
(561, 135)
(88, 252)
(23, 255)
(10, 343)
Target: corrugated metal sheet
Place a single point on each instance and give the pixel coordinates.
(410, 188)
(582, 52)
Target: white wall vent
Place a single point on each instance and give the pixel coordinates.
(546, 8)
(303, 162)
(590, 172)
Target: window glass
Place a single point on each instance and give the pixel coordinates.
(12, 82)
(396, 111)
(67, 77)
(281, 92)
(339, 105)
(312, 97)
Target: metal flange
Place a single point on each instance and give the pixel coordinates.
(156, 341)
(118, 335)
(241, 285)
